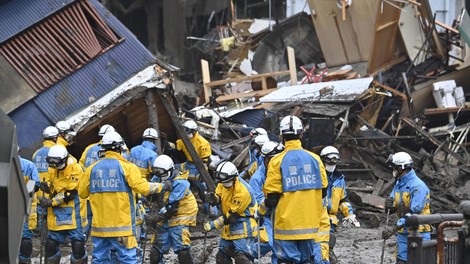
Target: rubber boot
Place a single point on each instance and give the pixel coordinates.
(185, 257)
(241, 258)
(53, 260)
(221, 258)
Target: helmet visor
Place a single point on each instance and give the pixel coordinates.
(332, 158)
(54, 162)
(223, 176)
(160, 172)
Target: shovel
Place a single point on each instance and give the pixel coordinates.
(385, 240)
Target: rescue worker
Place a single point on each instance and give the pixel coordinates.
(268, 150)
(30, 173)
(410, 195)
(295, 185)
(322, 238)
(50, 135)
(256, 159)
(144, 155)
(203, 150)
(89, 156)
(239, 205)
(111, 184)
(65, 133)
(65, 215)
(337, 195)
(176, 216)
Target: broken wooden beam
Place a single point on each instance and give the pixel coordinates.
(363, 199)
(434, 140)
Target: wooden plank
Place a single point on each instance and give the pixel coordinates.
(189, 146)
(436, 111)
(362, 199)
(434, 140)
(335, 75)
(292, 67)
(153, 116)
(206, 78)
(246, 78)
(390, 89)
(378, 186)
(383, 47)
(257, 94)
(344, 42)
(451, 29)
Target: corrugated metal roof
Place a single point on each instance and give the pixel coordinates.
(16, 16)
(98, 76)
(251, 117)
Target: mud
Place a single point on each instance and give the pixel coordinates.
(356, 246)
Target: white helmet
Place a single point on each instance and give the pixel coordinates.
(105, 129)
(400, 160)
(57, 157)
(330, 155)
(190, 125)
(258, 131)
(163, 167)
(271, 149)
(291, 125)
(261, 139)
(50, 132)
(63, 126)
(226, 171)
(150, 133)
(112, 141)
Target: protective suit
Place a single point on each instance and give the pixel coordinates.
(257, 181)
(178, 214)
(239, 226)
(39, 160)
(66, 215)
(411, 195)
(62, 141)
(295, 178)
(111, 185)
(90, 155)
(322, 238)
(337, 198)
(203, 150)
(143, 156)
(26, 247)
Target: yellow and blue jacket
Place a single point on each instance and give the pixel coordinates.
(237, 200)
(68, 211)
(61, 141)
(111, 185)
(337, 197)
(143, 156)
(202, 146)
(298, 176)
(182, 199)
(39, 160)
(31, 173)
(411, 195)
(90, 155)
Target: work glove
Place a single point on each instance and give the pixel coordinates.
(43, 186)
(167, 186)
(161, 214)
(144, 201)
(150, 220)
(207, 226)
(389, 205)
(388, 232)
(350, 221)
(212, 198)
(45, 202)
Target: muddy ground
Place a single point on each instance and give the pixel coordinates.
(356, 245)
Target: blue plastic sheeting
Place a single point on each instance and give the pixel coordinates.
(30, 122)
(18, 15)
(251, 117)
(98, 76)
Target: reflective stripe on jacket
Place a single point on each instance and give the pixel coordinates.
(411, 195)
(111, 184)
(66, 215)
(299, 175)
(237, 199)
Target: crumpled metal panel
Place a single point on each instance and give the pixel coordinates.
(98, 76)
(18, 15)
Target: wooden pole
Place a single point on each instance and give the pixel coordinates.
(153, 116)
(206, 78)
(292, 66)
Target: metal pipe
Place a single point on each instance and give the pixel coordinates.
(440, 238)
(415, 220)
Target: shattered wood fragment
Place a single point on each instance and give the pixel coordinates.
(378, 186)
(434, 140)
(362, 199)
(334, 75)
(390, 89)
(235, 142)
(256, 94)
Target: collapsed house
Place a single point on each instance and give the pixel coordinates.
(396, 84)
